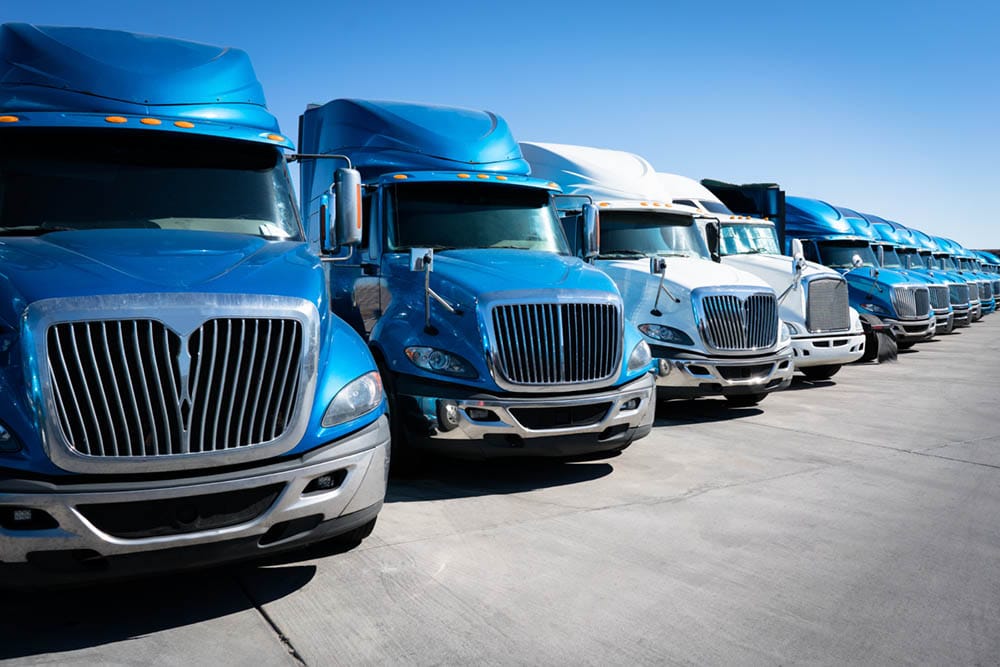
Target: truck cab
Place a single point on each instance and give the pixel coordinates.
(828, 237)
(493, 338)
(826, 331)
(991, 266)
(886, 241)
(714, 329)
(176, 391)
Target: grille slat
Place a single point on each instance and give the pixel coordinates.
(551, 343)
(130, 388)
(938, 296)
(740, 323)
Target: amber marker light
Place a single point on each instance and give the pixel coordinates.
(603, 203)
(400, 177)
(483, 176)
(115, 119)
(501, 178)
(150, 121)
(463, 176)
(275, 137)
(184, 123)
(9, 119)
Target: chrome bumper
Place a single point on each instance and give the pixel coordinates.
(485, 425)
(693, 377)
(912, 330)
(828, 349)
(961, 315)
(362, 475)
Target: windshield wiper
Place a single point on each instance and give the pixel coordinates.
(627, 253)
(33, 230)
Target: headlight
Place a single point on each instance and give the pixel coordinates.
(875, 309)
(666, 334)
(640, 357)
(359, 397)
(438, 361)
(792, 329)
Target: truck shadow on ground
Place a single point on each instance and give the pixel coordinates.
(69, 619)
(438, 479)
(700, 411)
(800, 383)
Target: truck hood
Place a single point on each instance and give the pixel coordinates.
(79, 263)
(687, 273)
(775, 269)
(484, 271)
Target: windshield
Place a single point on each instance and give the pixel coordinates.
(910, 259)
(715, 207)
(947, 263)
(638, 233)
(749, 239)
(55, 180)
(473, 215)
(892, 260)
(841, 255)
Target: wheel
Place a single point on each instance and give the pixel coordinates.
(905, 344)
(820, 372)
(744, 400)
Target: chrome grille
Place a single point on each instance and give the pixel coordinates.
(135, 388)
(939, 296)
(736, 323)
(959, 293)
(911, 302)
(827, 306)
(996, 287)
(557, 343)
(985, 291)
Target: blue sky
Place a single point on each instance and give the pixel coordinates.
(885, 107)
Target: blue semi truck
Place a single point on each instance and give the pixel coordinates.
(941, 261)
(957, 257)
(493, 339)
(176, 390)
(881, 295)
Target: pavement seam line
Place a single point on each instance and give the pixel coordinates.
(282, 637)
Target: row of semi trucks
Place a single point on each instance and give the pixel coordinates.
(195, 367)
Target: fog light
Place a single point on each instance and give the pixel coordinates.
(22, 515)
(8, 443)
(327, 482)
(632, 404)
(447, 414)
(25, 518)
(480, 415)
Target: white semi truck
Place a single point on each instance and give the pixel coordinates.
(714, 329)
(826, 332)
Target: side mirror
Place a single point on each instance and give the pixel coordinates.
(591, 232)
(881, 255)
(657, 265)
(346, 228)
(856, 261)
(712, 236)
(421, 259)
(798, 258)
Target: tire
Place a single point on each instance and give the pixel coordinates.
(744, 400)
(825, 372)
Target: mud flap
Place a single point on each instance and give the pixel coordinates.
(880, 342)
